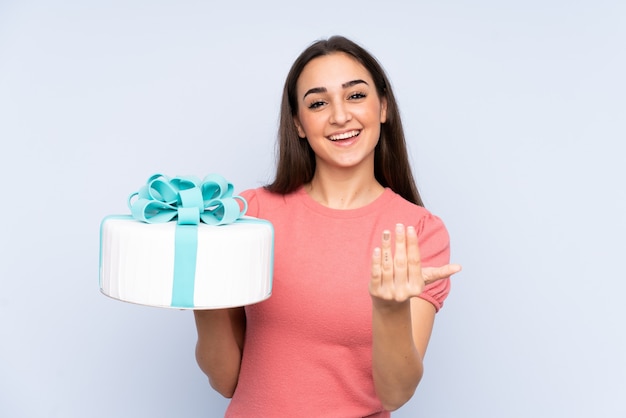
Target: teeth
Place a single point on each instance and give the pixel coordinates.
(345, 135)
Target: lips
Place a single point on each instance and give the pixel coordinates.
(344, 135)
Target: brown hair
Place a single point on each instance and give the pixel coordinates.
(296, 159)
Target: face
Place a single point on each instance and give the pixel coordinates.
(339, 111)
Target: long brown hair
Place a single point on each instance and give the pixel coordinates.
(296, 159)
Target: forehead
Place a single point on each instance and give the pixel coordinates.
(331, 71)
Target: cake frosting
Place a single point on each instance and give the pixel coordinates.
(186, 245)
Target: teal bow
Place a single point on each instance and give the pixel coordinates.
(188, 199)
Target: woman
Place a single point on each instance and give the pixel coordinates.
(354, 296)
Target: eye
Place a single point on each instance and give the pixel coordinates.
(317, 104)
(357, 96)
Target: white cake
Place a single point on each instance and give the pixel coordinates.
(140, 263)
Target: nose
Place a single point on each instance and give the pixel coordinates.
(340, 114)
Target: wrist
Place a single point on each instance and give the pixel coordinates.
(391, 307)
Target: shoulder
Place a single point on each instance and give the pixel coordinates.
(261, 200)
(432, 233)
(424, 221)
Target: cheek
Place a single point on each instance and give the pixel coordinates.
(371, 116)
(309, 125)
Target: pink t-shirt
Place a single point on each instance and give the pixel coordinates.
(308, 348)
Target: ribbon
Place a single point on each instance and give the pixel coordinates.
(189, 201)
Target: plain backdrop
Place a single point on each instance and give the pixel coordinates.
(515, 114)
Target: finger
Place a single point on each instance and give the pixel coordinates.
(413, 255)
(387, 259)
(432, 274)
(376, 269)
(399, 257)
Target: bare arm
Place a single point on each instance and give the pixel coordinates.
(221, 335)
(401, 322)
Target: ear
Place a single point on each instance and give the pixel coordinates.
(296, 122)
(383, 110)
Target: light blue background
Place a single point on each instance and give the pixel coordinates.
(515, 113)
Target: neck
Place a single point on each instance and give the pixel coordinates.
(342, 190)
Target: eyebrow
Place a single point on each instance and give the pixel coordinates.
(344, 86)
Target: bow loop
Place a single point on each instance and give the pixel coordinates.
(159, 187)
(215, 186)
(188, 200)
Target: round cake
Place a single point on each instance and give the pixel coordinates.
(186, 245)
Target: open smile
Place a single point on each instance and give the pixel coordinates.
(345, 135)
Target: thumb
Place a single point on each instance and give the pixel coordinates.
(432, 274)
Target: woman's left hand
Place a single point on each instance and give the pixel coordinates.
(399, 276)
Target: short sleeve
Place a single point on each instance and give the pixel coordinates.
(434, 244)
